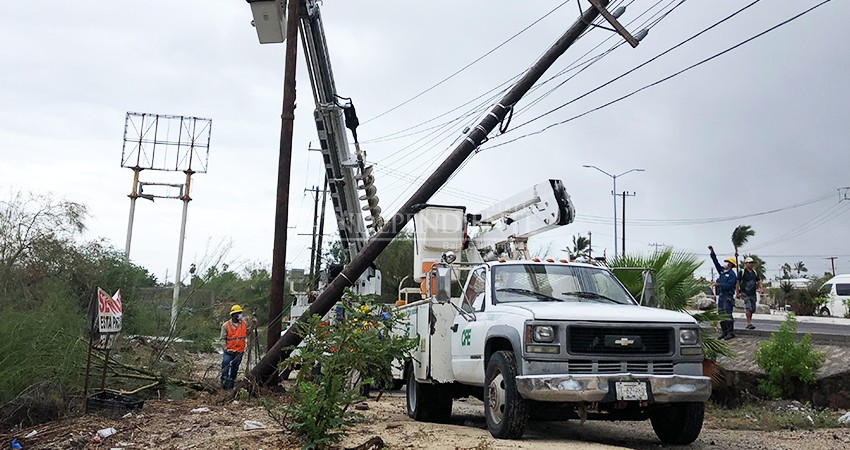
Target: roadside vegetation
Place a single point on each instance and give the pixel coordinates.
(338, 362)
(787, 360)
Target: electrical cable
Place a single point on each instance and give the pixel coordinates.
(457, 72)
(692, 66)
(701, 221)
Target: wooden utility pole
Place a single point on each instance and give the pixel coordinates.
(318, 268)
(832, 260)
(281, 214)
(624, 195)
(265, 372)
(315, 192)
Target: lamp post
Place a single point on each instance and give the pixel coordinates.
(614, 193)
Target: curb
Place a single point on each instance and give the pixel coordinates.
(817, 338)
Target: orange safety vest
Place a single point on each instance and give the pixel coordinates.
(236, 334)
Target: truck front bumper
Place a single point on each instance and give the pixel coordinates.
(600, 388)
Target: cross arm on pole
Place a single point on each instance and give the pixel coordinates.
(614, 23)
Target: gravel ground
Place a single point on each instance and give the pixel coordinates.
(388, 419)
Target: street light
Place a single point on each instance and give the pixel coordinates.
(614, 192)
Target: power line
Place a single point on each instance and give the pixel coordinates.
(457, 72)
(702, 221)
(692, 66)
(600, 56)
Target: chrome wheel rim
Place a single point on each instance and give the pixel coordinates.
(496, 398)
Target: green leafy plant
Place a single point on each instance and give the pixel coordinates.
(785, 360)
(335, 360)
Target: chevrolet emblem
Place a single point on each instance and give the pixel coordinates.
(624, 341)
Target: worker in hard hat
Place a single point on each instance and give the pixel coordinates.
(725, 287)
(234, 333)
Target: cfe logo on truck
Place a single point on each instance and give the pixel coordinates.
(109, 312)
(465, 337)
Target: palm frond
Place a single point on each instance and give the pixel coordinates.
(741, 235)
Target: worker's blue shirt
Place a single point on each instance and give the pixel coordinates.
(727, 280)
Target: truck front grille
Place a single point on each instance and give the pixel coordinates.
(662, 367)
(586, 340)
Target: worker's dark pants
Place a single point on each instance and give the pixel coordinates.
(229, 368)
(725, 305)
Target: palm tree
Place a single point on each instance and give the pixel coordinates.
(800, 267)
(673, 276)
(740, 236)
(786, 271)
(581, 246)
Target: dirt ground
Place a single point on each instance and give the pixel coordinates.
(164, 424)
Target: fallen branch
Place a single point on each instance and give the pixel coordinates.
(376, 443)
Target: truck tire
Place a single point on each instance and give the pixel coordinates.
(427, 402)
(505, 410)
(825, 312)
(679, 423)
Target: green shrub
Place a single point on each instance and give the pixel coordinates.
(42, 343)
(335, 360)
(786, 360)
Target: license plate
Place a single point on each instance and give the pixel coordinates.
(631, 390)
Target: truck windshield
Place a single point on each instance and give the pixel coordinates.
(557, 283)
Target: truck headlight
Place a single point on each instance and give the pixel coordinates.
(543, 333)
(688, 336)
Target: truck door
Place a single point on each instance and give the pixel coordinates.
(469, 331)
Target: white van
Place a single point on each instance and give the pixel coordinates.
(837, 290)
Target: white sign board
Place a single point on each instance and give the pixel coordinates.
(109, 312)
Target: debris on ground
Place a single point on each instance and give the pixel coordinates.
(249, 425)
(106, 432)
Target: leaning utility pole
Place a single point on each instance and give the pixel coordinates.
(281, 214)
(266, 370)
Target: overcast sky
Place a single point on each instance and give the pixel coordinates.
(761, 128)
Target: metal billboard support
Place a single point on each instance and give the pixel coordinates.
(171, 144)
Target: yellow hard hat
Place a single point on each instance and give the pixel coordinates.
(730, 260)
(235, 309)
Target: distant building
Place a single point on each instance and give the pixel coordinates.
(796, 283)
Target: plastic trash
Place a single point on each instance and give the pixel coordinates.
(31, 434)
(106, 432)
(15, 444)
(200, 410)
(252, 425)
(127, 416)
(845, 419)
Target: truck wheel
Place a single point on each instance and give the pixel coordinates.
(825, 312)
(505, 410)
(679, 423)
(427, 402)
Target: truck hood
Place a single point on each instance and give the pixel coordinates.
(598, 312)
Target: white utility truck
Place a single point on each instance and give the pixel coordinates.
(546, 339)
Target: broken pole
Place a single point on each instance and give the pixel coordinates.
(265, 372)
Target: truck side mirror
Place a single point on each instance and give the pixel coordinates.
(444, 284)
